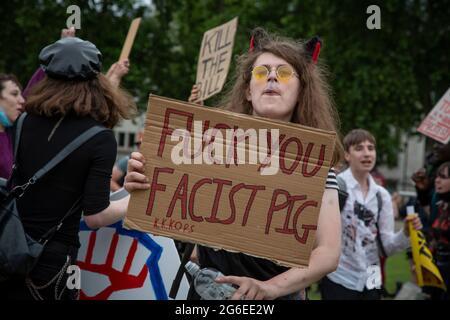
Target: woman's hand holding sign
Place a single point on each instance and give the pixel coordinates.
(249, 288)
(195, 95)
(135, 178)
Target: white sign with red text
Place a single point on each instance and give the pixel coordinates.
(437, 123)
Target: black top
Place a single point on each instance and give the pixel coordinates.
(242, 265)
(86, 172)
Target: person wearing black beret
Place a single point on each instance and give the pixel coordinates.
(73, 98)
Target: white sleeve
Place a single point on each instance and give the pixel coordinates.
(392, 241)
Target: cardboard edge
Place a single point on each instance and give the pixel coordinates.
(130, 38)
(213, 246)
(130, 225)
(241, 115)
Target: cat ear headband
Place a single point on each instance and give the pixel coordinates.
(259, 37)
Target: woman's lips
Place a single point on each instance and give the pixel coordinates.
(271, 92)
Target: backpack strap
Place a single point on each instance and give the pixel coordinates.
(18, 133)
(19, 125)
(75, 144)
(50, 233)
(380, 206)
(379, 203)
(342, 192)
(18, 191)
(189, 248)
(341, 183)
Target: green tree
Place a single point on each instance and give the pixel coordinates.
(384, 80)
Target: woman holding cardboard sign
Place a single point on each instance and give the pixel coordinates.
(276, 79)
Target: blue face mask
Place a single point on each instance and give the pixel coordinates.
(4, 120)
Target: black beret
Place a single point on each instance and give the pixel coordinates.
(71, 58)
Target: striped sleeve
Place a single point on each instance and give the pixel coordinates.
(331, 182)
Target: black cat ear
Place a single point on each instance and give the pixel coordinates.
(258, 38)
(313, 47)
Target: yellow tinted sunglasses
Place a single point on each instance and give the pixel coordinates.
(283, 72)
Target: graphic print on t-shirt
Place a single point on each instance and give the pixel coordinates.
(359, 232)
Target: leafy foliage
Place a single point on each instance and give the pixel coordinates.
(384, 80)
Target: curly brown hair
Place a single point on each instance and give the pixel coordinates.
(315, 107)
(96, 98)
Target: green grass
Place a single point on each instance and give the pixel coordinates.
(397, 270)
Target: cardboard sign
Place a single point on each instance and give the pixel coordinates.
(231, 181)
(437, 123)
(215, 57)
(130, 39)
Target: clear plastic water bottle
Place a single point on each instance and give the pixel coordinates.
(205, 285)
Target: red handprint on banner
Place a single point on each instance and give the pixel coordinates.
(119, 280)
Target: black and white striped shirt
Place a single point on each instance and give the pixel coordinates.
(331, 182)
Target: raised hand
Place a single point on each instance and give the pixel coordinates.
(117, 71)
(135, 178)
(416, 223)
(65, 33)
(195, 95)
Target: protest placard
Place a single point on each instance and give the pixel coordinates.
(215, 57)
(128, 44)
(233, 181)
(437, 123)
